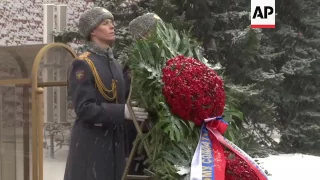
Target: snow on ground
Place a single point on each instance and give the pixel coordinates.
(281, 167)
(292, 167)
(53, 169)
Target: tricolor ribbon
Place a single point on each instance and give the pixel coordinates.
(208, 162)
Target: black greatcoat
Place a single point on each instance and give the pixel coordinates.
(97, 148)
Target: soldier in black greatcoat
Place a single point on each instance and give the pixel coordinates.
(98, 91)
(139, 27)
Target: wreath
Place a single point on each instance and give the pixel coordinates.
(175, 83)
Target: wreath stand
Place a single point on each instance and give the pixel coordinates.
(138, 127)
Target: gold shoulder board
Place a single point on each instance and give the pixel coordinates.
(84, 56)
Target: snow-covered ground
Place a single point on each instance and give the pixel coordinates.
(54, 168)
(292, 167)
(281, 167)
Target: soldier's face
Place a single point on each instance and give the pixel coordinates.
(105, 31)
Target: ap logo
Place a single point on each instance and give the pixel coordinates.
(263, 14)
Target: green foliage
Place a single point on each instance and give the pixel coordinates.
(233, 116)
(244, 53)
(172, 140)
(299, 36)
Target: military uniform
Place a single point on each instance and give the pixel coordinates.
(98, 91)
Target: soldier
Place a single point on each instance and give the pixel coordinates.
(139, 28)
(98, 91)
(143, 25)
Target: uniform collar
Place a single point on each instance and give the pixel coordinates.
(91, 46)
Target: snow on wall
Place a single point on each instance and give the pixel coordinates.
(21, 23)
(21, 20)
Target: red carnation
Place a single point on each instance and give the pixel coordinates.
(237, 168)
(193, 90)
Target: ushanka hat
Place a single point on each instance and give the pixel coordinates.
(142, 25)
(91, 19)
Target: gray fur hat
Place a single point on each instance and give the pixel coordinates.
(91, 19)
(142, 25)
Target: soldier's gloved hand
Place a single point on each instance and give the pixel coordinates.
(140, 113)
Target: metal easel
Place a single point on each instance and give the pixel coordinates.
(148, 173)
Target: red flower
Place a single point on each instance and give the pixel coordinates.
(237, 168)
(193, 91)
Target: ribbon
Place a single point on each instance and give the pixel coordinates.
(208, 162)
